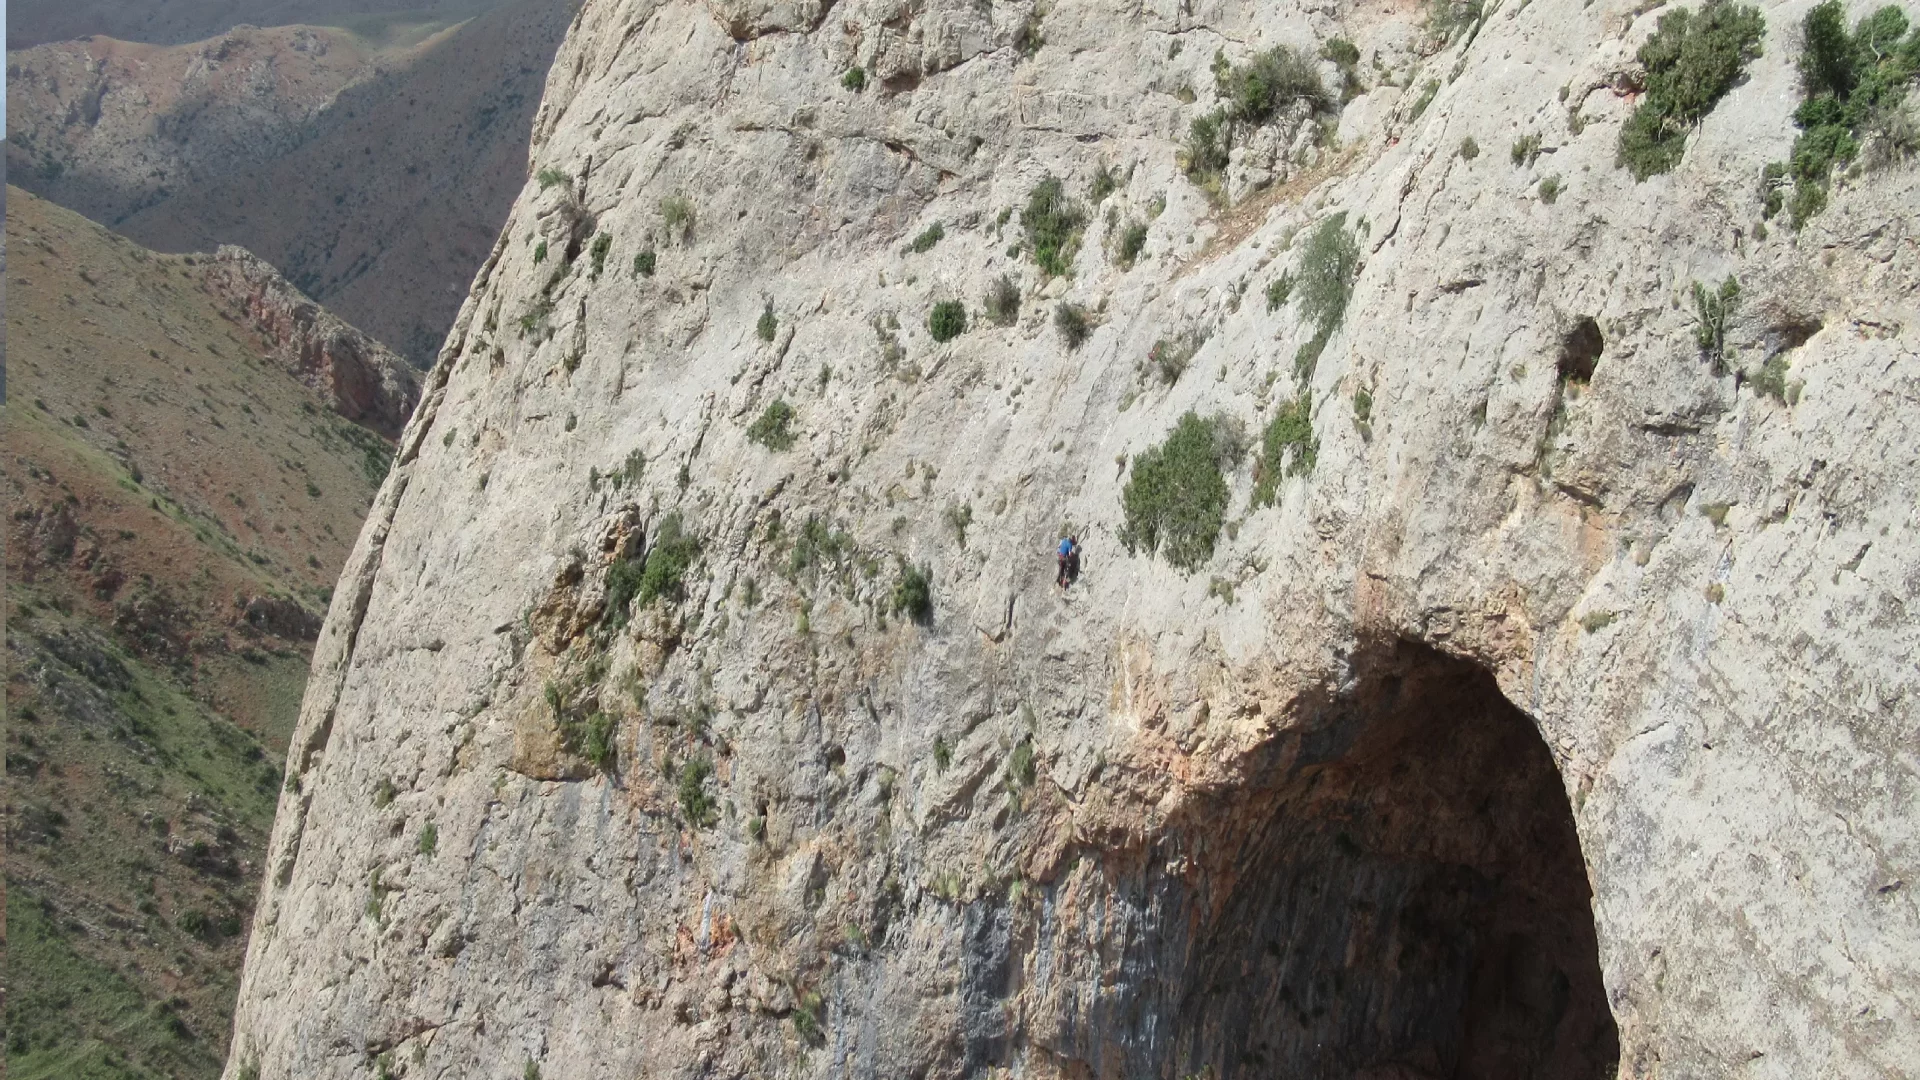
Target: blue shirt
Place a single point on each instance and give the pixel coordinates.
(1066, 547)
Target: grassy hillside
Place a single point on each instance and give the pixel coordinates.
(178, 509)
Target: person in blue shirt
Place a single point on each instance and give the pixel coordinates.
(1069, 560)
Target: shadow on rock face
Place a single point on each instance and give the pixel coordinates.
(1414, 903)
(1395, 892)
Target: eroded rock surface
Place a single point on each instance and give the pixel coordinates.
(366, 382)
(1556, 721)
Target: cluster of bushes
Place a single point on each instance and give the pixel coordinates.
(1855, 89)
(593, 736)
(1693, 58)
(1250, 94)
(660, 575)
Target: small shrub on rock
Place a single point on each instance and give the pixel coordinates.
(1133, 241)
(855, 79)
(1002, 302)
(1054, 224)
(769, 323)
(913, 592)
(774, 428)
(677, 214)
(947, 321)
(598, 252)
(1288, 448)
(695, 803)
(1073, 323)
(1327, 267)
(643, 263)
(661, 575)
(1713, 309)
(1175, 501)
(926, 240)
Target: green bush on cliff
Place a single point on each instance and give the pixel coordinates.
(913, 592)
(947, 321)
(1175, 501)
(1251, 94)
(774, 428)
(661, 575)
(1693, 58)
(1053, 224)
(1288, 448)
(1855, 89)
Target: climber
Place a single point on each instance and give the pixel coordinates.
(1068, 557)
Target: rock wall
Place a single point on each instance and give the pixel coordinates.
(1556, 721)
(366, 382)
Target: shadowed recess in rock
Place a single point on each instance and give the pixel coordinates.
(1395, 892)
(1414, 904)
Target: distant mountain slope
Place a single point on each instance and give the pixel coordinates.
(179, 503)
(175, 22)
(107, 127)
(376, 188)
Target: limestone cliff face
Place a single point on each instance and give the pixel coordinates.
(1561, 715)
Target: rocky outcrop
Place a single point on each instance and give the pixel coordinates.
(1538, 708)
(367, 383)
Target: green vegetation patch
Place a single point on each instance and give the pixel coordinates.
(1854, 89)
(661, 575)
(1288, 447)
(1693, 58)
(1054, 224)
(1250, 94)
(774, 428)
(947, 321)
(1713, 309)
(931, 236)
(913, 592)
(695, 802)
(73, 1017)
(1133, 242)
(601, 245)
(1176, 498)
(1073, 323)
(1002, 302)
(1322, 287)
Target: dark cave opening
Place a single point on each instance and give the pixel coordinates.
(1407, 902)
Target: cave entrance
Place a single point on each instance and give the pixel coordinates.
(1410, 901)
